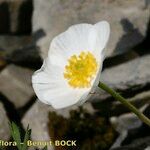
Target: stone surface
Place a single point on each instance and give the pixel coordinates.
(16, 16)
(138, 101)
(128, 20)
(4, 15)
(147, 148)
(19, 50)
(131, 75)
(128, 75)
(138, 144)
(9, 43)
(3, 63)
(16, 85)
(123, 124)
(37, 118)
(4, 127)
(39, 124)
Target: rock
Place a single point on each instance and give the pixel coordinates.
(9, 43)
(141, 141)
(4, 15)
(138, 144)
(127, 29)
(123, 124)
(19, 50)
(4, 127)
(147, 148)
(16, 16)
(20, 16)
(3, 63)
(132, 75)
(37, 118)
(138, 101)
(16, 85)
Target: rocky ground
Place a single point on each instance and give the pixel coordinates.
(26, 30)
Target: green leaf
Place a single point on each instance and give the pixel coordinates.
(45, 148)
(1, 148)
(15, 132)
(26, 138)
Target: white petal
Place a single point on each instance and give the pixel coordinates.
(76, 39)
(51, 88)
(49, 83)
(100, 38)
(47, 77)
(97, 78)
(103, 31)
(45, 86)
(43, 71)
(58, 94)
(47, 72)
(69, 98)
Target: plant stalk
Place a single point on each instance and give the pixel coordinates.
(125, 102)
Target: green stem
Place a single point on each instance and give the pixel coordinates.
(118, 97)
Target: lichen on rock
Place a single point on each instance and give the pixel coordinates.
(90, 131)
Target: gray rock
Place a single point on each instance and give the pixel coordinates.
(4, 127)
(138, 144)
(123, 124)
(147, 148)
(138, 101)
(131, 75)
(3, 63)
(4, 15)
(141, 141)
(10, 43)
(37, 118)
(20, 50)
(16, 85)
(127, 29)
(16, 16)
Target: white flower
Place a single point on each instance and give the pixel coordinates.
(73, 66)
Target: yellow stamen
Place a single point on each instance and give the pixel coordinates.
(80, 70)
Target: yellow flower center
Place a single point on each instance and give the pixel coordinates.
(80, 70)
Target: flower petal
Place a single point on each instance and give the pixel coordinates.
(49, 83)
(52, 89)
(66, 99)
(45, 77)
(57, 94)
(70, 42)
(43, 71)
(103, 31)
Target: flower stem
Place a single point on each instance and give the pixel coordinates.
(125, 102)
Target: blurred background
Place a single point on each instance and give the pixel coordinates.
(26, 30)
